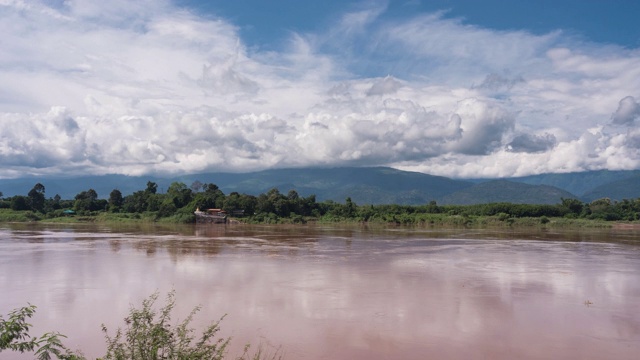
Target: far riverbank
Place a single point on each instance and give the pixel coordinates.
(432, 220)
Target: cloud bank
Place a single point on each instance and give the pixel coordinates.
(147, 87)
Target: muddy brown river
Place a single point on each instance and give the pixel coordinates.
(330, 292)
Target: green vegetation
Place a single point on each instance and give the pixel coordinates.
(148, 335)
(14, 336)
(179, 202)
(506, 191)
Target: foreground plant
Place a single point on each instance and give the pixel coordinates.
(148, 335)
(14, 335)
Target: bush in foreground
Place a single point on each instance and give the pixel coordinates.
(148, 335)
(14, 335)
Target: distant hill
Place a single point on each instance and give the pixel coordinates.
(628, 188)
(372, 185)
(507, 191)
(579, 183)
(67, 188)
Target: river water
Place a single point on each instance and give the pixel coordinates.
(327, 292)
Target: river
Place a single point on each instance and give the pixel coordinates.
(338, 292)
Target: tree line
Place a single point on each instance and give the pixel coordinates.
(180, 201)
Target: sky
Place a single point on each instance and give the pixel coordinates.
(457, 88)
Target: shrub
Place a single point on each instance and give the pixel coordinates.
(149, 335)
(502, 216)
(14, 335)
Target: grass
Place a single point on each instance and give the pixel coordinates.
(8, 215)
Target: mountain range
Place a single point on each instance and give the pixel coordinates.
(365, 185)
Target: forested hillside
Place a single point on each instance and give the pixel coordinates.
(378, 185)
(507, 191)
(583, 183)
(622, 189)
(180, 202)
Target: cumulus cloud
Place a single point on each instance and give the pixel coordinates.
(483, 126)
(628, 111)
(365, 131)
(149, 87)
(41, 140)
(593, 150)
(386, 86)
(532, 143)
(632, 138)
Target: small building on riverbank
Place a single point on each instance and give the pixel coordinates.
(211, 216)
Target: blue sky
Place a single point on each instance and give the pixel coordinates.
(455, 88)
(266, 24)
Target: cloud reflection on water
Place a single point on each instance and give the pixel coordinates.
(340, 292)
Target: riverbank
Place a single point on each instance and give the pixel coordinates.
(424, 220)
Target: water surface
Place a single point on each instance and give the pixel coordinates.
(323, 292)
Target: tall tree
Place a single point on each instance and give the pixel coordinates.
(36, 197)
(115, 200)
(196, 186)
(87, 200)
(152, 187)
(179, 194)
(137, 202)
(574, 206)
(349, 207)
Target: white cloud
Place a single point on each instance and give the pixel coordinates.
(147, 87)
(628, 111)
(483, 125)
(386, 86)
(592, 150)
